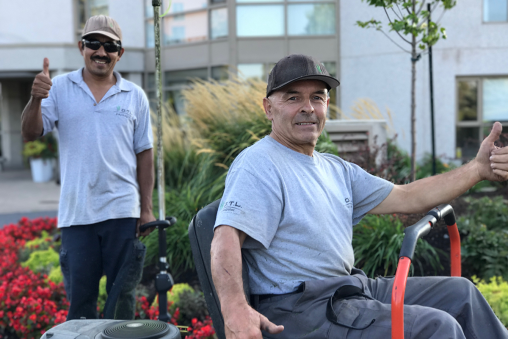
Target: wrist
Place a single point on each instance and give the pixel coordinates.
(475, 172)
(234, 306)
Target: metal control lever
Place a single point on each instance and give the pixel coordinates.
(170, 221)
(163, 281)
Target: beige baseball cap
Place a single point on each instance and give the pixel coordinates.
(101, 24)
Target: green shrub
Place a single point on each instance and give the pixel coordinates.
(38, 244)
(485, 247)
(424, 168)
(192, 304)
(42, 261)
(484, 252)
(496, 293)
(492, 212)
(55, 275)
(103, 295)
(377, 241)
(174, 294)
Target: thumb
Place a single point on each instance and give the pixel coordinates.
(496, 131)
(268, 326)
(45, 66)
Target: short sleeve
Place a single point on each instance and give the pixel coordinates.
(49, 110)
(252, 204)
(368, 191)
(143, 137)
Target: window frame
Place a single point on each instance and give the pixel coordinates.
(493, 22)
(87, 14)
(286, 4)
(208, 9)
(479, 123)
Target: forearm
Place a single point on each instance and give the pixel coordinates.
(146, 179)
(226, 262)
(31, 120)
(424, 194)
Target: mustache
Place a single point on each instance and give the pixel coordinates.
(100, 58)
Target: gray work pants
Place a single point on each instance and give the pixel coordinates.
(435, 308)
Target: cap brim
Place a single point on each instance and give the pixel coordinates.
(329, 80)
(109, 35)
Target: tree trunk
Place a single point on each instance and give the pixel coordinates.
(413, 103)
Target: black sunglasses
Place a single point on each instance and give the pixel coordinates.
(110, 47)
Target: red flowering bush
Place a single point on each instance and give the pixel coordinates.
(201, 330)
(29, 303)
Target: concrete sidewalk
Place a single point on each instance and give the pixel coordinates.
(21, 197)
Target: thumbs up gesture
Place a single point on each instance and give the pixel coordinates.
(492, 160)
(42, 83)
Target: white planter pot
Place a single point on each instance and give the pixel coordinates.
(42, 169)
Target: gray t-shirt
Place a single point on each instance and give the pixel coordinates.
(98, 146)
(298, 212)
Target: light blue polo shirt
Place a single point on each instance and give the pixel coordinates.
(98, 146)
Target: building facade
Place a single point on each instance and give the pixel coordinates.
(216, 38)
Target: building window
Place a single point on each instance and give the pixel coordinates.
(311, 19)
(185, 27)
(251, 71)
(188, 21)
(257, 18)
(88, 8)
(149, 29)
(220, 73)
(480, 102)
(495, 10)
(219, 23)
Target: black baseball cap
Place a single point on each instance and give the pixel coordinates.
(297, 67)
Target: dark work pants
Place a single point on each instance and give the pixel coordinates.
(90, 251)
(435, 308)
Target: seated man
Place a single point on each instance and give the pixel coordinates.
(292, 211)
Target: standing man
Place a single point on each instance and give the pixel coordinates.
(107, 172)
(290, 211)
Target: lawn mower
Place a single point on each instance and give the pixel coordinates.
(201, 235)
(135, 329)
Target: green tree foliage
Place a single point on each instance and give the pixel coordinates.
(410, 20)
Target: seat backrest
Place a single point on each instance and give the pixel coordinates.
(200, 236)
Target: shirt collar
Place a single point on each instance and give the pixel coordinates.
(123, 85)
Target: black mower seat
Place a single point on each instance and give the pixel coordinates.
(200, 236)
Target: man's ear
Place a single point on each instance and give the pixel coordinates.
(267, 105)
(120, 53)
(80, 46)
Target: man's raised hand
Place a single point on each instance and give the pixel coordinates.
(42, 83)
(492, 161)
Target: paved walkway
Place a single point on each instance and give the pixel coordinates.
(21, 197)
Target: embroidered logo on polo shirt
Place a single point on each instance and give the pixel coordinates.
(230, 206)
(123, 112)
